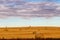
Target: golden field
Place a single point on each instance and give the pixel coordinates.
(30, 32)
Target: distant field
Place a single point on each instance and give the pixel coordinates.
(30, 32)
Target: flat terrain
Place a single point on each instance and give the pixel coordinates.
(30, 32)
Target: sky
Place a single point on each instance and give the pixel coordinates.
(20, 13)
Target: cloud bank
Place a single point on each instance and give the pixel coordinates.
(19, 8)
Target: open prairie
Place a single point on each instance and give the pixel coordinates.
(29, 32)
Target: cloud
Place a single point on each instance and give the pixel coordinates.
(24, 9)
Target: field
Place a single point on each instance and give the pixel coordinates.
(31, 33)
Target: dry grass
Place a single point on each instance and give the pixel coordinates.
(30, 32)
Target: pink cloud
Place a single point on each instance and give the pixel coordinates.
(29, 10)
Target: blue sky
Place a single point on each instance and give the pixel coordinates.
(13, 21)
(33, 22)
(41, 0)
